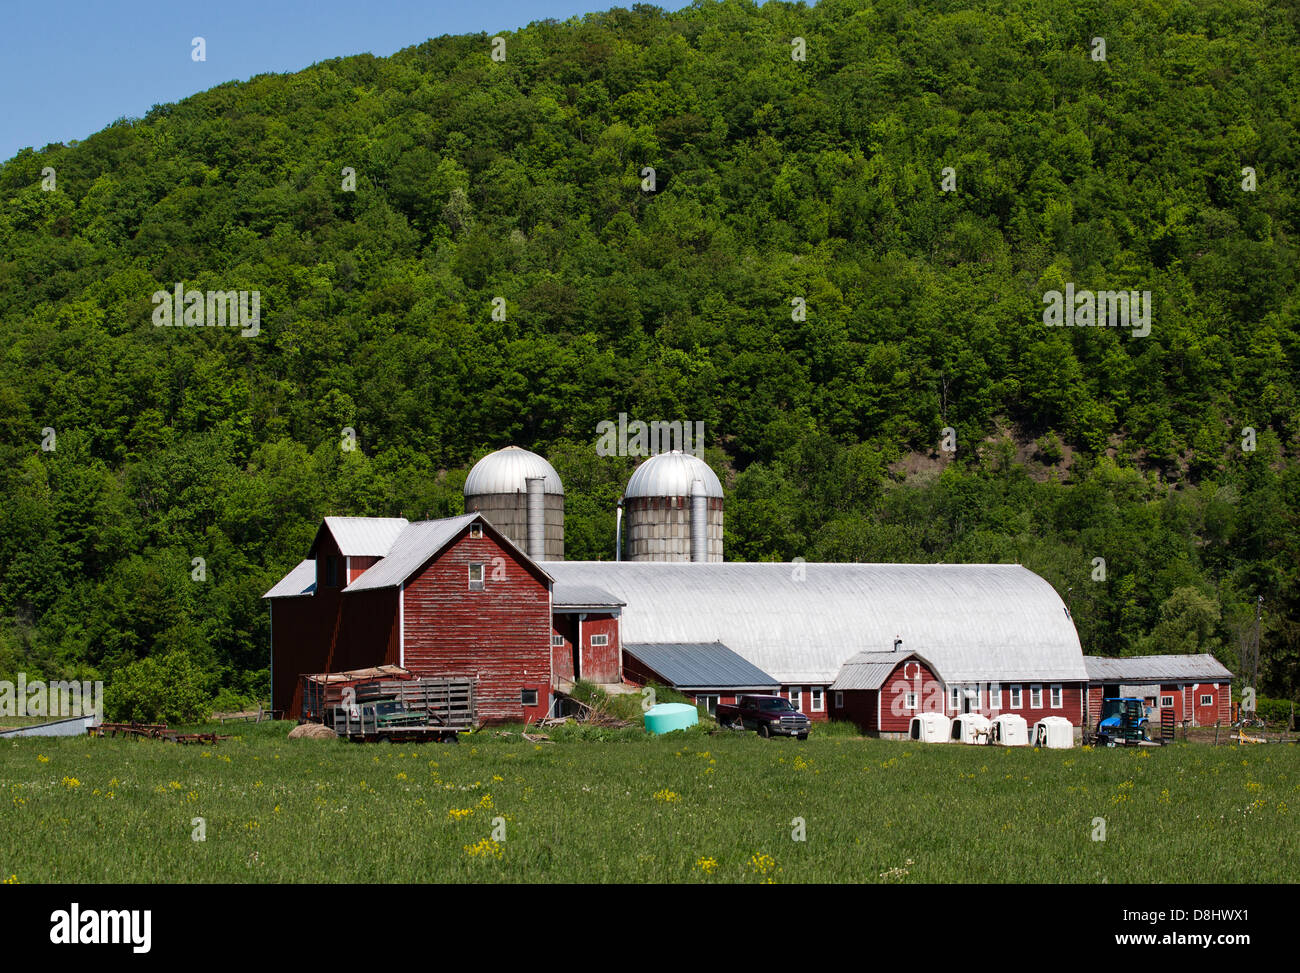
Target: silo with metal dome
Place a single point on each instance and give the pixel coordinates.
(673, 508)
(521, 495)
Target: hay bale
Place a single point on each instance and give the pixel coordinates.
(312, 731)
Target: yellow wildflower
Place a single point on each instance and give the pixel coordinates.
(487, 848)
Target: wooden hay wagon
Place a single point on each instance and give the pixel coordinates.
(389, 703)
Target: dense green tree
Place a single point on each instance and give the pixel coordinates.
(799, 278)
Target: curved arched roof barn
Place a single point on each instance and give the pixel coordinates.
(800, 622)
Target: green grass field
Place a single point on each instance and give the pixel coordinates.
(685, 808)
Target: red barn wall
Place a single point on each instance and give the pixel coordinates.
(909, 676)
(1071, 702)
(805, 702)
(357, 566)
(328, 548)
(859, 707)
(601, 663)
(562, 656)
(499, 636)
(883, 710)
(1209, 715)
(328, 632)
(1096, 703)
(296, 648)
(1178, 692)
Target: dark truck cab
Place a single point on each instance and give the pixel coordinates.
(769, 715)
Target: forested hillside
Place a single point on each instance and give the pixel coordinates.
(774, 179)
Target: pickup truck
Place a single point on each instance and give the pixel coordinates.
(769, 715)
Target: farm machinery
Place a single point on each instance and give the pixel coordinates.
(1123, 723)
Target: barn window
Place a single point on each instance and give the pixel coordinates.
(818, 701)
(839, 699)
(1166, 701)
(476, 531)
(1017, 697)
(476, 577)
(709, 702)
(1058, 697)
(557, 641)
(600, 640)
(995, 696)
(1035, 697)
(954, 699)
(331, 572)
(528, 697)
(1207, 700)
(796, 697)
(909, 701)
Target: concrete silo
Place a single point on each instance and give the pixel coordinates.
(521, 495)
(673, 508)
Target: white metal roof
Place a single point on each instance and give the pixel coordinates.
(869, 670)
(416, 544)
(973, 622)
(301, 580)
(420, 541)
(507, 471)
(1156, 668)
(671, 475)
(364, 536)
(582, 596)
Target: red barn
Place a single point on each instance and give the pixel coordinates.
(1198, 688)
(882, 691)
(585, 641)
(979, 637)
(449, 597)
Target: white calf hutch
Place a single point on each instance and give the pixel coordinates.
(1010, 730)
(930, 728)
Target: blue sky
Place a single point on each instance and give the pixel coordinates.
(69, 68)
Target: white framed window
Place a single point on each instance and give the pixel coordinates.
(909, 701)
(1058, 697)
(995, 696)
(839, 699)
(1166, 702)
(1035, 697)
(476, 577)
(954, 699)
(973, 694)
(709, 702)
(600, 640)
(556, 640)
(818, 700)
(796, 697)
(1207, 700)
(528, 697)
(1017, 697)
(476, 530)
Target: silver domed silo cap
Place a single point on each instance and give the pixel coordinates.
(671, 475)
(507, 471)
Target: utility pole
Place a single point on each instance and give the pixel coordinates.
(1250, 663)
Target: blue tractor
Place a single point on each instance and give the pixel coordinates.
(1123, 723)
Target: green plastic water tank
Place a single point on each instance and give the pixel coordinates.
(667, 717)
